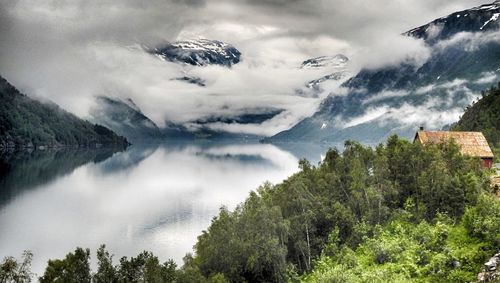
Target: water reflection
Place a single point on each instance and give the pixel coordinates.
(21, 171)
(150, 197)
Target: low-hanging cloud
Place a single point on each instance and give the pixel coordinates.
(428, 114)
(71, 51)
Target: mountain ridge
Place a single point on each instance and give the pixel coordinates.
(198, 52)
(125, 118)
(398, 99)
(28, 123)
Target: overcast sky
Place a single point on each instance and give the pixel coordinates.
(70, 51)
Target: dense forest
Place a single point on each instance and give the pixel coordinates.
(25, 122)
(397, 212)
(483, 116)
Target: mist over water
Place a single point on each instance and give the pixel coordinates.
(154, 197)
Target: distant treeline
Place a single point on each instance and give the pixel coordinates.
(397, 212)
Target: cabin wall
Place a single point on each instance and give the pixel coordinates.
(487, 162)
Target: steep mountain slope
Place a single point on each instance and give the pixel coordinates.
(336, 61)
(482, 18)
(125, 118)
(335, 71)
(483, 116)
(199, 52)
(25, 122)
(464, 56)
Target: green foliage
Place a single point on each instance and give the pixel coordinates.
(483, 116)
(402, 251)
(190, 272)
(75, 267)
(145, 267)
(245, 245)
(483, 220)
(106, 272)
(395, 213)
(346, 205)
(12, 270)
(496, 153)
(25, 122)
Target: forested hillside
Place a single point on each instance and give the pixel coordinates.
(398, 212)
(25, 122)
(483, 116)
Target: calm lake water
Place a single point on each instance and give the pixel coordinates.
(149, 197)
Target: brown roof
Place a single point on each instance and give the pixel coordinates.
(471, 143)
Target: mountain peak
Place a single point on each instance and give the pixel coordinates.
(491, 6)
(202, 44)
(377, 103)
(199, 52)
(478, 19)
(337, 61)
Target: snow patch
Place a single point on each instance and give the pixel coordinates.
(493, 19)
(336, 61)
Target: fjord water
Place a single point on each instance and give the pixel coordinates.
(149, 197)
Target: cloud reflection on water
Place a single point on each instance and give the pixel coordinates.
(157, 198)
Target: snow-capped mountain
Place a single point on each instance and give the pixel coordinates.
(334, 70)
(199, 52)
(337, 76)
(478, 19)
(464, 59)
(316, 85)
(337, 61)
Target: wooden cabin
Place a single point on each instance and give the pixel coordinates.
(471, 143)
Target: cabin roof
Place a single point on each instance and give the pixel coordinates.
(471, 143)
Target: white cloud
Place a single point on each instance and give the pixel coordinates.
(160, 204)
(409, 115)
(487, 78)
(71, 51)
(433, 31)
(386, 94)
(429, 114)
(370, 115)
(469, 41)
(392, 51)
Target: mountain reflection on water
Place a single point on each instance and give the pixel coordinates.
(156, 197)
